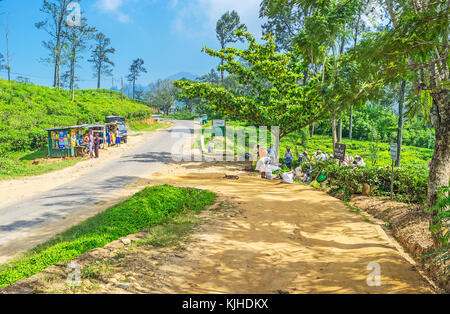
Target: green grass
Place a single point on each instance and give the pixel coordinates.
(139, 126)
(172, 232)
(146, 209)
(31, 163)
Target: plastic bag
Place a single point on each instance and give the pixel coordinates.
(288, 177)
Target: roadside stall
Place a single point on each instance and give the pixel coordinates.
(62, 141)
(99, 129)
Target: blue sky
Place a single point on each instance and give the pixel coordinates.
(167, 34)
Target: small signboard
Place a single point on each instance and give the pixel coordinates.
(219, 123)
(339, 151)
(394, 150)
(219, 128)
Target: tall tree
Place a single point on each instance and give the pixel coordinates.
(54, 24)
(284, 25)
(226, 29)
(136, 68)
(211, 77)
(163, 95)
(275, 99)
(416, 48)
(401, 114)
(100, 58)
(77, 37)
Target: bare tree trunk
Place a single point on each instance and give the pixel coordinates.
(8, 59)
(313, 126)
(400, 123)
(221, 71)
(440, 165)
(134, 88)
(72, 75)
(350, 134)
(340, 131)
(333, 130)
(98, 79)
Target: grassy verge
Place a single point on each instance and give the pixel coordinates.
(31, 163)
(171, 233)
(140, 126)
(146, 209)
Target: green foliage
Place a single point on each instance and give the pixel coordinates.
(142, 126)
(411, 156)
(19, 164)
(410, 183)
(383, 120)
(148, 208)
(273, 97)
(440, 227)
(163, 95)
(26, 110)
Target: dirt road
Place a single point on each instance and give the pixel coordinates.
(261, 237)
(32, 210)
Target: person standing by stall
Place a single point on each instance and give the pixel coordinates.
(117, 137)
(96, 145)
(91, 144)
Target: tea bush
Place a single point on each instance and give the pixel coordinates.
(410, 183)
(440, 228)
(26, 110)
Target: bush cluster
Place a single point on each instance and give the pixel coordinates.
(410, 183)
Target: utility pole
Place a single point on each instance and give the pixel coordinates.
(122, 89)
(8, 58)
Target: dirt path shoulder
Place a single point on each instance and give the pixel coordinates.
(261, 237)
(19, 189)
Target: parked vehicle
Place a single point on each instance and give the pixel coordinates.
(122, 127)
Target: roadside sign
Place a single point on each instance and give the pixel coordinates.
(394, 150)
(219, 123)
(339, 151)
(219, 128)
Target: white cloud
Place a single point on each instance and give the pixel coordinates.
(199, 17)
(115, 7)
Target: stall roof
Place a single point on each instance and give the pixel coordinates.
(64, 128)
(93, 125)
(84, 126)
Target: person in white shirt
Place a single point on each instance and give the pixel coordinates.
(359, 161)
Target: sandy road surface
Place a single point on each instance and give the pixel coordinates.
(261, 237)
(33, 210)
(284, 237)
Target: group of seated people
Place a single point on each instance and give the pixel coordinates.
(322, 156)
(266, 162)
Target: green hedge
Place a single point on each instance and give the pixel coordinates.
(410, 183)
(148, 208)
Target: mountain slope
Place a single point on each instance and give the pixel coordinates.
(182, 75)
